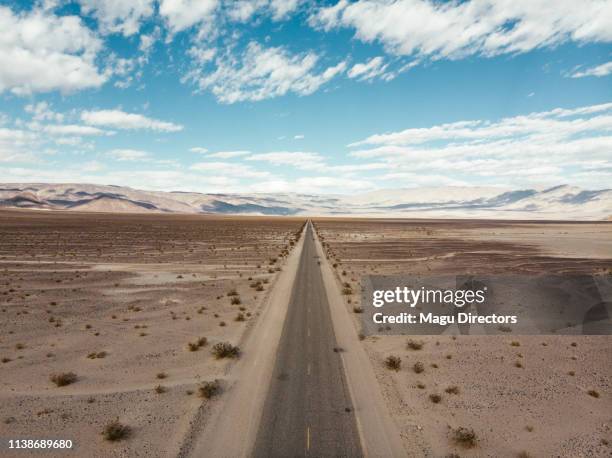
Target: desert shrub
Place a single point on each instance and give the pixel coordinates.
(259, 287)
(454, 389)
(193, 346)
(236, 300)
(418, 367)
(465, 437)
(421, 386)
(202, 341)
(64, 378)
(161, 375)
(225, 350)
(518, 364)
(435, 398)
(393, 362)
(209, 389)
(515, 343)
(593, 393)
(115, 431)
(357, 309)
(240, 317)
(414, 344)
(160, 389)
(232, 292)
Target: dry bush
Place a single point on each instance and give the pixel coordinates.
(240, 317)
(515, 343)
(225, 350)
(418, 367)
(64, 378)
(435, 398)
(358, 309)
(115, 431)
(465, 437)
(209, 389)
(454, 389)
(593, 393)
(161, 375)
(415, 344)
(236, 300)
(160, 389)
(393, 362)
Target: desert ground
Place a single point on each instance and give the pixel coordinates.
(484, 395)
(132, 306)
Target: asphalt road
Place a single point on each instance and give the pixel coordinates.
(308, 409)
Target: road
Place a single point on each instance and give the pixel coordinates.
(308, 409)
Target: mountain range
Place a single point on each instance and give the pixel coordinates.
(559, 202)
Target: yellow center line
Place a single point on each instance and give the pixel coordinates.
(308, 368)
(308, 438)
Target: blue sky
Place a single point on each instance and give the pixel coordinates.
(302, 96)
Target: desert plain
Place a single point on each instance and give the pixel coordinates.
(128, 309)
(520, 396)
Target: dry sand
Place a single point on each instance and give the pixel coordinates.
(134, 290)
(540, 409)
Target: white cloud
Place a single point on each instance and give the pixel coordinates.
(121, 120)
(41, 111)
(261, 73)
(128, 154)
(244, 10)
(229, 154)
(118, 16)
(458, 29)
(368, 70)
(229, 169)
(198, 149)
(298, 137)
(41, 52)
(68, 129)
(298, 159)
(598, 70)
(182, 14)
(544, 147)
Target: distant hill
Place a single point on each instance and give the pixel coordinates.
(559, 202)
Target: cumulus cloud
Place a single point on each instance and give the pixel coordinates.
(244, 10)
(128, 154)
(41, 52)
(456, 29)
(230, 169)
(368, 70)
(538, 147)
(598, 70)
(229, 154)
(198, 149)
(118, 16)
(182, 14)
(121, 120)
(41, 111)
(298, 159)
(261, 73)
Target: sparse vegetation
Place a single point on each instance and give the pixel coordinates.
(209, 389)
(161, 375)
(160, 389)
(225, 350)
(115, 431)
(465, 437)
(415, 344)
(435, 398)
(393, 362)
(593, 393)
(515, 343)
(454, 389)
(64, 378)
(357, 309)
(418, 367)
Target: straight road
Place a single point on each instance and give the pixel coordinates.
(308, 409)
